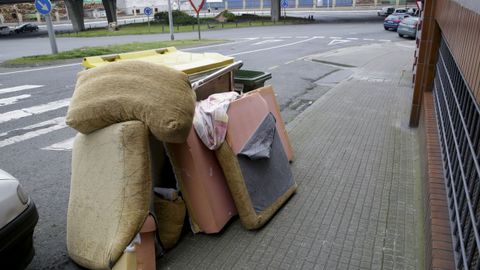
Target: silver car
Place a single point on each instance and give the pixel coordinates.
(408, 27)
(18, 217)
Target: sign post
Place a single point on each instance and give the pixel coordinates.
(284, 5)
(44, 7)
(197, 6)
(148, 11)
(170, 19)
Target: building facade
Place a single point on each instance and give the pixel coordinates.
(446, 109)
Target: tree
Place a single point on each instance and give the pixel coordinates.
(111, 10)
(75, 12)
(275, 10)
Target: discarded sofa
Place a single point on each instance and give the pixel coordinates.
(115, 109)
(139, 167)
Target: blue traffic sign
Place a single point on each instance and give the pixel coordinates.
(147, 11)
(284, 3)
(43, 6)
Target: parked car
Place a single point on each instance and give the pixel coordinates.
(412, 11)
(400, 11)
(18, 217)
(5, 30)
(408, 27)
(385, 11)
(26, 27)
(392, 21)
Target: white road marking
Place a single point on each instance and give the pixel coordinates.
(18, 88)
(289, 62)
(219, 45)
(12, 100)
(274, 47)
(368, 39)
(338, 41)
(301, 37)
(319, 36)
(352, 38)
(272, 68)
(66, 145)
(17, 114)
(51, 125)
(335, 37)
(267, 37)
(266, 41)
(384, 40)
(38, 69)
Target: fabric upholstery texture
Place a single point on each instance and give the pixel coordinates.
(109, 193)
(170, 217)
(250, 219)
(157, 95)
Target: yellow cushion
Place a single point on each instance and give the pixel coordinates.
(157, 95)
(109, 193)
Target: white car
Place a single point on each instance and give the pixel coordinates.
(5, 30)
(385, 11)
(18, 217)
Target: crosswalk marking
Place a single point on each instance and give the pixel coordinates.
(17, 114)
(50, 125)
(66, 145)
(18, 88)
(12, 100)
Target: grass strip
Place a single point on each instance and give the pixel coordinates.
(101, 50)
(155, 28)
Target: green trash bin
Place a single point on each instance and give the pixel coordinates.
(248, 80)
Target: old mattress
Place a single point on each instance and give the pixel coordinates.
(254, 162)
(109, 193)
(202, 183)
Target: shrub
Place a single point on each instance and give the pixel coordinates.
(229, 16)
(179, 17)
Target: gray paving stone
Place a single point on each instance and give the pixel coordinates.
(356, 171)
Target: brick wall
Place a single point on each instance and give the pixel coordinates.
(438, 246)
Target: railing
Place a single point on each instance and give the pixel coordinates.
(458, 116)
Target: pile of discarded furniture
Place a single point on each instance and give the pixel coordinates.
(163, 139)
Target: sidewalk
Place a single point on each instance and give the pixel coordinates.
(358, 204)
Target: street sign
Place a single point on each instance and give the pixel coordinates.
(197, 4)
(284, 3)
(147, 11)
(43, 6)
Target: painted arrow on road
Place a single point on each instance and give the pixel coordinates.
(267, 41)
(338, 41)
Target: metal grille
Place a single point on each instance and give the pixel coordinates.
(458, 117)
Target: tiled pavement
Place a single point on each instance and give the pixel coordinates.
(356, 164)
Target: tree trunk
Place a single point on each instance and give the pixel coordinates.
(111, 10)
(275, 10)
(75, 12)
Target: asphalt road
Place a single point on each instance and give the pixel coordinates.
(38, 43)
(35, 144)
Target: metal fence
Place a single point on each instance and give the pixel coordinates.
(458, 117)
